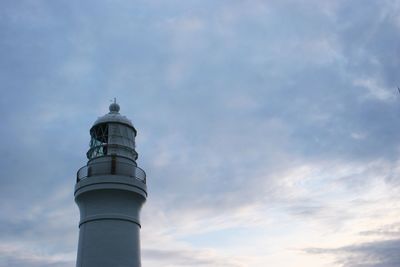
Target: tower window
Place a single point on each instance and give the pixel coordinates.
(98, 141)
(112, 139)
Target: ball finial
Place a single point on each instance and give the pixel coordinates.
(114, 107)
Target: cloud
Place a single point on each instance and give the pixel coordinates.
(392, 230)
(17, 255)
(379, 252)
(373, 254)
(170, 257)
(375, 90)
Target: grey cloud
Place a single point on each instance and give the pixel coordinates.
(373, 254)
(23, 259)
(379, 253)
(15, 262)
(392, 230)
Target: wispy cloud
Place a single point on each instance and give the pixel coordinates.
(373, 254)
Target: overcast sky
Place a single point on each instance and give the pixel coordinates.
(268, 129)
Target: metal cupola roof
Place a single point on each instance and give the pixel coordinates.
(114, 117)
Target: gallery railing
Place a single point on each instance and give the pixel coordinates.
(111, 168)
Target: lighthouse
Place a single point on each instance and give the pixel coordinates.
(110, 191)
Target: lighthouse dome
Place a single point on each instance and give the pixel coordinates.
(114, 117)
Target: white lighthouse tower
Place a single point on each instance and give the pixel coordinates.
(110, 191)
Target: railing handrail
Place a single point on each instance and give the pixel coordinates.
(110, 145)
(135, 172)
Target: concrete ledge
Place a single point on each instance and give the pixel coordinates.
(118, 217)
(110, 182)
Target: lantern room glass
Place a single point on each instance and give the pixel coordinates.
(112, 139)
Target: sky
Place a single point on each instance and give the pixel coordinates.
(268, 129)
